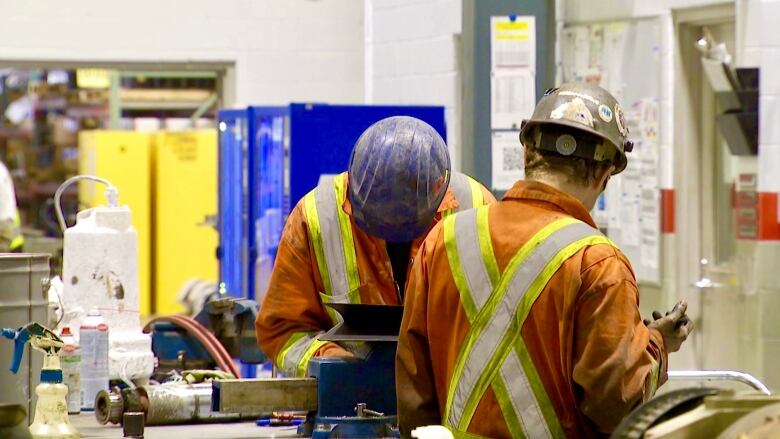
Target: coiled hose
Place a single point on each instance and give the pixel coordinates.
(204, 336)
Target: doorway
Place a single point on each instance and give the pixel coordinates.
(713, 264)
(133, 124)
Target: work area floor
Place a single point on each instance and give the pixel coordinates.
(86, 424)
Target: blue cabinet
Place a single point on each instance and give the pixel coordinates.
(269, 158)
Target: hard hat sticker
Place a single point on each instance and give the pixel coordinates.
(605, 113)
(575, 111)
(620, 120)
(579, 95)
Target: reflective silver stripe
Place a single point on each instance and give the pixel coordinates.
(467, 241)
(460, 187)
(332, 243)
(295, 353)
(522, 398)
(487, 342)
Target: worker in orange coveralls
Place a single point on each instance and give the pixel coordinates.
(521, 319)
(353, 238)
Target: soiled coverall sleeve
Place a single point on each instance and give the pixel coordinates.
(292, 303)
(618, 362)
(416, 392)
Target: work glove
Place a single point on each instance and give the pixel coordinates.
(200, 376)
(674, 326)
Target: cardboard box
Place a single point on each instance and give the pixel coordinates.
(64, 131)
(67, 158)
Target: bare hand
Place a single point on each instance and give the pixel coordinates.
(333, 350)
(674, 327)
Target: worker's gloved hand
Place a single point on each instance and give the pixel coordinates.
(200, 376)
(674, 327)
(333, 350)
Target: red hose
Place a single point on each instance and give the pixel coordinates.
(185, 322)
(227, 362)
(204, 336)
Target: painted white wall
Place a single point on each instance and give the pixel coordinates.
(411, 49)
(769, 95)
(283, 50)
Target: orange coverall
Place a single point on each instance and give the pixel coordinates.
(292, 302)
(594, 355)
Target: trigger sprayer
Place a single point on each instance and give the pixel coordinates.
(51, 413)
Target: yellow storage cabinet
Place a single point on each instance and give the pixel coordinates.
(185, 195)
(122, 157)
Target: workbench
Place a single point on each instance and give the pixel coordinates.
(89, 428)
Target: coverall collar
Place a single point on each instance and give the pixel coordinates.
(539, 192)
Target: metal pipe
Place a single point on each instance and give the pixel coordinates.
(719, 375)
(172, 403)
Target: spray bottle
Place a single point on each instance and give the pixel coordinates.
(51, 412)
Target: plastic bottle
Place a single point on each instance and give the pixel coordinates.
(93, 339)
(51, 418)
(70, 358)
(51, 414)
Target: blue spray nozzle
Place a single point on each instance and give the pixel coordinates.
(23, 335)
(20, 338)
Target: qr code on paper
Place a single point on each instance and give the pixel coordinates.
(513, 159)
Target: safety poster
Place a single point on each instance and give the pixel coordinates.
(617, 56)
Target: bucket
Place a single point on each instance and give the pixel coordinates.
(24, 279)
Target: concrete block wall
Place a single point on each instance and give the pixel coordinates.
(412, 57)
(291, 50)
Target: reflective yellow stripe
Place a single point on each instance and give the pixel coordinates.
(352, 297)
(655, 377)
(476, 192)
(16, 243)
(463, 186)
(303, 365)
(282, 355)
(334, 316)
(552, 267)
(486, 244)
(486, 249)
(512, 422)
(458, 434)
(350, 258)
(315, 234)
(513, 336)
(481, 320)
(18, 240)
(466, 298)
(537, 387)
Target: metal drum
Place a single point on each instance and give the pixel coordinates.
(24, 279)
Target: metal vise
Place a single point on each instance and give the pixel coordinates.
(345, 397)
(231, 320)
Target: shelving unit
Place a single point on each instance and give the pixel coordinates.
(124, 99)
(43, 152)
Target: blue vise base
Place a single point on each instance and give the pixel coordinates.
(342, 383)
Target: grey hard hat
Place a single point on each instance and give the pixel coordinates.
(580, 120)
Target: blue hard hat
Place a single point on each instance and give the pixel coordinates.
(398, 174)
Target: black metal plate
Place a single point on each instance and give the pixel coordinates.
(366, 323)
